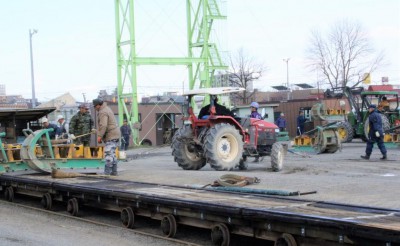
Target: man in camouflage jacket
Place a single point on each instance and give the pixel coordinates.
(81, 123)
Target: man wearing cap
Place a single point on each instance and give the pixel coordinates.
(81, 124)
(47, 125)
(109, 133)
(375, 134)
(126, 133)
(63, 127)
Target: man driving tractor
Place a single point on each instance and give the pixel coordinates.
(219, 110)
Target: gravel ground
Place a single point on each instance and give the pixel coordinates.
(341, 177)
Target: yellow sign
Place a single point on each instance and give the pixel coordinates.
(367, 78)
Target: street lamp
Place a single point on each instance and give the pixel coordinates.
(31, 33)
(287, 76)
(287, 71)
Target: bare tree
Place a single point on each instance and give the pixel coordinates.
(244, 70)
(344, 55)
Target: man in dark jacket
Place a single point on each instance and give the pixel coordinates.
(47, 125)
(281, 122)
(126, 133)
(375, 134)
(300, 123)
(219, 110)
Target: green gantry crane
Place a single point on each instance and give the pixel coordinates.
(203, 57)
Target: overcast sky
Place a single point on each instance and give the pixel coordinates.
(74, 49)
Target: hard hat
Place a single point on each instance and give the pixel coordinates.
(45, 120)
(97, 101)
(254, 105)
(83, 105)
(282, 114)
(59, 117)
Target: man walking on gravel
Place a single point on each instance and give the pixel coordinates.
(109, 133)
(375, 134)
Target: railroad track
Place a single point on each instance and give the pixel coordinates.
(146, 227)
(96, 219)
(227, 215)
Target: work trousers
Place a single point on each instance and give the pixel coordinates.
(372, 141)
(125, 142)
(111, 160)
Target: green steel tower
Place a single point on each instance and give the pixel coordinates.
(202, 60)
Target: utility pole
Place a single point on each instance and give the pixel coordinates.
(287, 76)
(31, 33)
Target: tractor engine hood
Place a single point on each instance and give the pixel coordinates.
(262, 124)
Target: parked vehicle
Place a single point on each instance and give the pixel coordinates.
(354, 124)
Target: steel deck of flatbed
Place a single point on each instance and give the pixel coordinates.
(247, 214)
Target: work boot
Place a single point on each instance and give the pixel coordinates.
(114, 171)
(365, 157)
(384, 157)
(107, 170)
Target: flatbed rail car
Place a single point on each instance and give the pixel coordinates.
(291, 221)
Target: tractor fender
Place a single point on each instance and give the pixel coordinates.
(228, 120)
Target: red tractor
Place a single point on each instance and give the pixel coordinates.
(222, 140)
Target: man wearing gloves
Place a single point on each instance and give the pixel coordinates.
(109, 133)
(375, 133)
(81, 124)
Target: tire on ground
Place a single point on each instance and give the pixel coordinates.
(223, 147)
(345, 131)
(187, 154)
(277, 155)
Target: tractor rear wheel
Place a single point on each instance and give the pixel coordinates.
(277, 155)
(345, 131)
(223, 147)
(385, 125)
(186, 153)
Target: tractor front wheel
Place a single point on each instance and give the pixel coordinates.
(277, 155)
(186, 153)
(223, 147)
